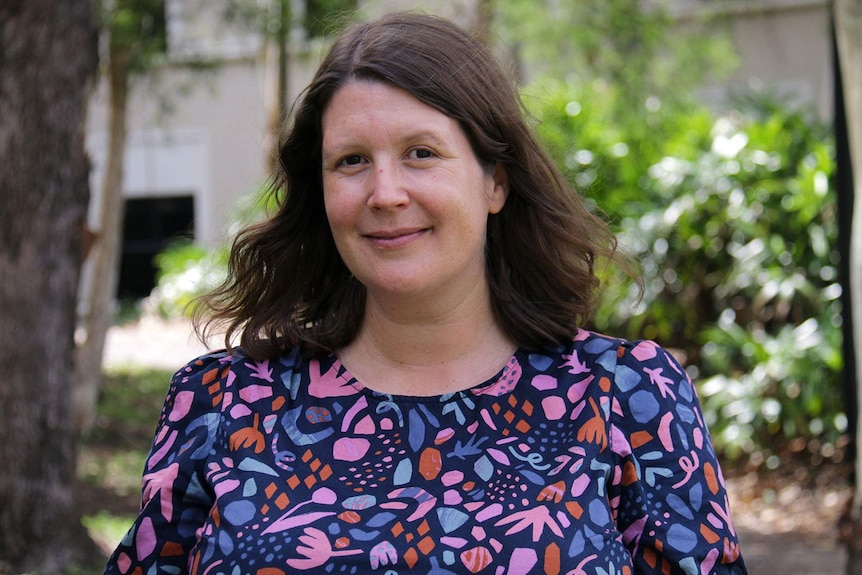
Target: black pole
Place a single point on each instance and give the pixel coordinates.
(844, 191)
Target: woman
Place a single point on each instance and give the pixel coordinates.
(412, 391)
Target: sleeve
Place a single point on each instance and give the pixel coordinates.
(667, 492)
(176, 499)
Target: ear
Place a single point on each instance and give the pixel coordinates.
(499, 191)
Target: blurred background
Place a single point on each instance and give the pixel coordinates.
(709, 133)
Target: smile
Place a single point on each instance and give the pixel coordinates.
(393, 239)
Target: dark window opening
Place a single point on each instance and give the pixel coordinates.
(150, 225)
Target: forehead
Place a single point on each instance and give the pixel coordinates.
(379, 107)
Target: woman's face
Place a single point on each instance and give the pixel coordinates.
(406, 198)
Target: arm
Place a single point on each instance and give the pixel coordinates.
(668, 493)
(176, 498)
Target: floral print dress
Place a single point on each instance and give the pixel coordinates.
(589, 458)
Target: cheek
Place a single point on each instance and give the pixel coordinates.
(335, 206)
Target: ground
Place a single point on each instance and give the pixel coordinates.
(787, 519)
(788, 523)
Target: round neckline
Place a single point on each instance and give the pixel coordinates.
(345, 375)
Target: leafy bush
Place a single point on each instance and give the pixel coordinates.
(732, 221)
(185, 272)
(607, 155)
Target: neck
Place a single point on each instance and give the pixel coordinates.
(459, 345)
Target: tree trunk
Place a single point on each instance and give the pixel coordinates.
(848, 32)
(102, 270)
(48, 60)
(277, 68)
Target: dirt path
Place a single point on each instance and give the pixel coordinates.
(787, 528)
(776, 553)
(152, 342)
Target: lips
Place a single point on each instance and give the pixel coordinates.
(393, 239)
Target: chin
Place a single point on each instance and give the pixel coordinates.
(398, 285)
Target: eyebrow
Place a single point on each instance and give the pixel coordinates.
(420, 134)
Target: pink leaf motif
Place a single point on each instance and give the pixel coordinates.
(328, 384)
(323, 496)
(317, 550)
(660, 381)
(722, 512)
(574, 364)
(538, 518)
(162, 483)
(579, 570)
(261, 370)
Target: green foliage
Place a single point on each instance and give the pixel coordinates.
(323, 16)
(186, 271)
(751, 223)
(274, 19)
(615, 92)
(732, 221)
(106, 529)
(639, 51)
(129, 405)
(138, 30)
(607, 155)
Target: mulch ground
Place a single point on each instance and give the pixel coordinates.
(788, 519)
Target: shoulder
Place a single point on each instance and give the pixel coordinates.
(648, 384)
(645, 368)
(587, 352)
(203, 366)
(218, 364)
(631, 365)
(621, 355)
(597, 345)
(205, 380)
(197, 388)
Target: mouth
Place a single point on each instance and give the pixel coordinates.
(392, 239)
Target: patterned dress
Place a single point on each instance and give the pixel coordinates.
(588, 458)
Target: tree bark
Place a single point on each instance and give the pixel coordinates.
(848, 33)
(48, 56)
(102, 269)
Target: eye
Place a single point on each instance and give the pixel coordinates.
(351, 160)
(420, 154)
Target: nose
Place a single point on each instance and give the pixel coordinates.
(387, 189)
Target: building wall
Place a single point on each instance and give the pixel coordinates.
(783, 46)
(464, 12)
(208, 146)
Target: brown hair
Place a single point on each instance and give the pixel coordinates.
(287, 284)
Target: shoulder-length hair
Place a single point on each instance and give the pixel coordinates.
(287, 284)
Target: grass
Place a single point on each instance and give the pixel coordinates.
(111, 457)
(106, 529)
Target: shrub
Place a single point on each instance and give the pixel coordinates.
(185, 272)
(731, 218)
